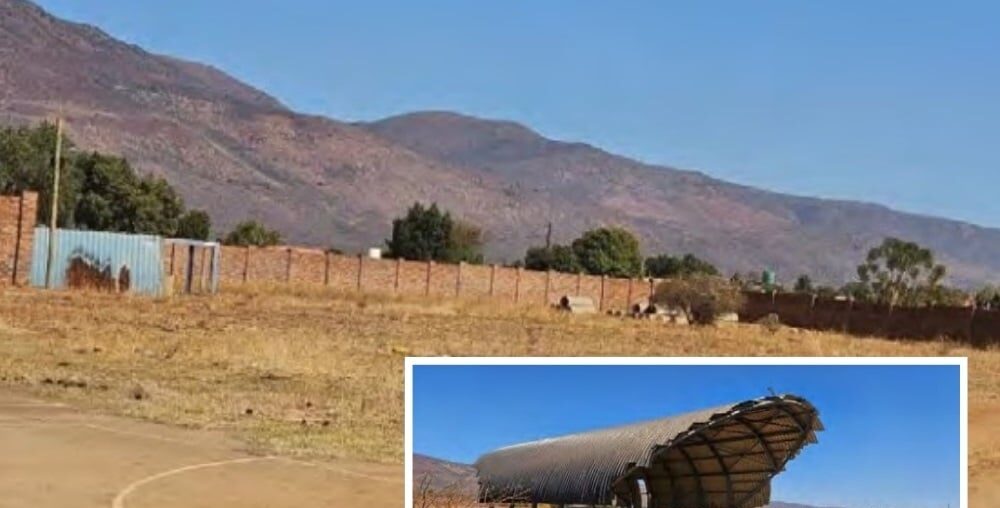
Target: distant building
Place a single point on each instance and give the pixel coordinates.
(723, 457)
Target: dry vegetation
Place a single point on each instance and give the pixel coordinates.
(307, 371)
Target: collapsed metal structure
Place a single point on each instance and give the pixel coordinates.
(723, 457)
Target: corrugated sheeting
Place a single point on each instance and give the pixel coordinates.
(97, 258)
(718, 457)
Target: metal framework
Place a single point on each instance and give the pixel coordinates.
(723, 457)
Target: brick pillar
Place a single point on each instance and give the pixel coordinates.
(326, 268)
(27, 216)
(246, 263)
(493, 278)
(427, 280)
(604, 280)
(517, 284)
(361, 269)
(548, 284)
(628, 297)
(395, 281)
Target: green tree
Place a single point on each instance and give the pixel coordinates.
(560, 258)
(195, 225)
(428, 233)
(664, 265)
(422, 235)
(112, 197)
(610, 251)
(898, 272)
(253, 233)
(803, 284)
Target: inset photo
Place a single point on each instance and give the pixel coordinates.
(687, 432)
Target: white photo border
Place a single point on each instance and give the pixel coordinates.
(959, 361)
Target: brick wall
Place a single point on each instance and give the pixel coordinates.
(354, 273)
(311, 266)
(963, 324)
(18, 215)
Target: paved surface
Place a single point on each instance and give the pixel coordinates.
(53, 456)
(984, 434)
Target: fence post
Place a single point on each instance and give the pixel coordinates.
(427, 280)
(326, 268)
(361, 269)
(517, 284)
(458, 279)
(604, 280)
(395, 281)
(246, 264)
(493, 277)
(288, 265)
(548, 285)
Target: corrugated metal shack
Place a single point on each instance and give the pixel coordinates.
(126, 263)
(100, 260)
(723, 457)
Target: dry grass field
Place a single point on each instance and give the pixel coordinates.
(304, 371)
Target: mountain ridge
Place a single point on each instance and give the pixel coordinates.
(241, 153)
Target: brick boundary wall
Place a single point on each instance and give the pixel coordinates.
(286, 264)
(18, 215)
(968, 325)
(519, 286)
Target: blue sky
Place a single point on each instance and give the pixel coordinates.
(896, 101)
(891, 439)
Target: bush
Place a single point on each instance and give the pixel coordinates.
(252, 233)
(702, 298)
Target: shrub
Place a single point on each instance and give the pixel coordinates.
(702, 298)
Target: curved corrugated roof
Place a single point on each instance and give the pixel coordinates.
(718, 457)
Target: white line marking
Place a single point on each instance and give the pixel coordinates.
(119, 501)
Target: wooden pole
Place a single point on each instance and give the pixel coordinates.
(53, 214)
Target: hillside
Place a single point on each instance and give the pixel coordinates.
(240, 153)
(443, 475)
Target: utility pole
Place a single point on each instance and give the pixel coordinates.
(548, 236)
(55, 206)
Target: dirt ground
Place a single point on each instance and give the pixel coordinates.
(54, 456)
(984, 455)
(313, 374)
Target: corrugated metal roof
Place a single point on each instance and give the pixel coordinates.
(104, 252)
(718, 457)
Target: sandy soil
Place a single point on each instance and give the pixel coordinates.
(52, 455)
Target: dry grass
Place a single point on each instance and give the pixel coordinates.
(322, 372)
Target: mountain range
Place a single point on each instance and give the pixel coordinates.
(239, 153)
